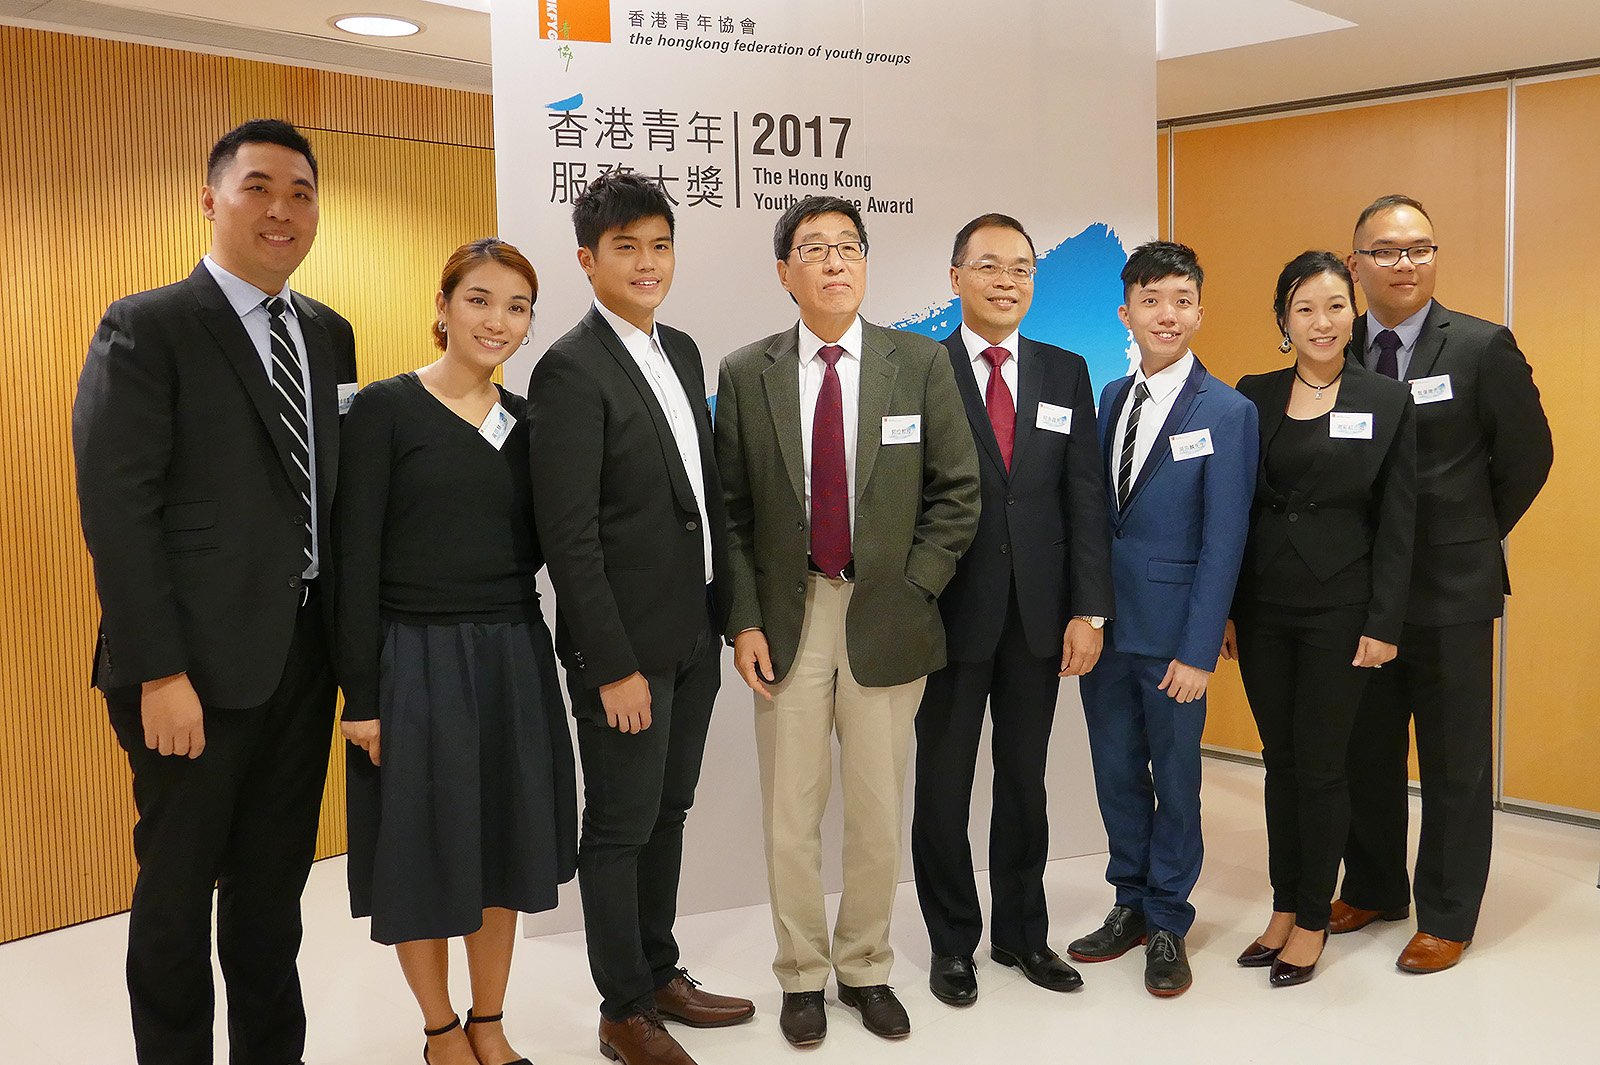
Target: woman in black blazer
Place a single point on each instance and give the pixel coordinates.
(1322, 595)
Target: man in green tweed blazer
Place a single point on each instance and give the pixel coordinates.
(852, 489)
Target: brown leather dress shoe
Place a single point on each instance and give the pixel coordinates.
(1348, 918)
(1430, 954)
(641, 1039)
(683, 1001)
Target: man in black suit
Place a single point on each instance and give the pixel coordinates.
(1025, 608)
(206, 436)
(1483, 453)
(631, 520)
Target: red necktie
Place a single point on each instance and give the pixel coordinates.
(1002, 409)
(830, 480)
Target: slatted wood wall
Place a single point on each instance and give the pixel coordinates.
(103, 156)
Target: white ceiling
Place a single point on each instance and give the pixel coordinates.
(1217, 55)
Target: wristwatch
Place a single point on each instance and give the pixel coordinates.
(1095, 621)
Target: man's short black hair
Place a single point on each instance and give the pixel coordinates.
(811, 207)
(1298, 271)
(618, 199)
(1158, 259)
(958, 254)
(1387, 203)
(257, 131)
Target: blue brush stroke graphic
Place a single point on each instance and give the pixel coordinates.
(571, 103)
(1076, 295)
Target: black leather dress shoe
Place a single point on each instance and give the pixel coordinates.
(1124, 929)
(953, 979)
(1166, 965)
(1042, 967)
(804, 1019)
(881, 1012)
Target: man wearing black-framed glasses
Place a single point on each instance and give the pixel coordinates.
(1483, 452)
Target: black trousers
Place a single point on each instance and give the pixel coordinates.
(1443, 682)
(1304, 693)
(1020, 691)
(637, 790)
(241, 818)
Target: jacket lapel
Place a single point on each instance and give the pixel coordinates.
(781, 381)
(977, 413)
(1430, 342)
(669, 446)
(1177, 418)
(877, 385)
(1030, 386)
(226, 329)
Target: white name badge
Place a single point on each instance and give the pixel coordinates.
(1347, 425)
(1053, 418)
(902, 429)
(347, 392)
(1431, 389)
(497, 426)
(1191, 445)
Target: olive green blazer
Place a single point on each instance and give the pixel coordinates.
(916, 506)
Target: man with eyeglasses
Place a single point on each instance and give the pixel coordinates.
(1483, 452)
(1024, 609)
(851, 483)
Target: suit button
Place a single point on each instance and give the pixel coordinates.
(1005, 549)
(294, 582)
(691, 526)
(1311, 506)
(800, 589)
(1293, 516)
(297, 520)
(1119, 534)
(1010, 500)
(800, 525)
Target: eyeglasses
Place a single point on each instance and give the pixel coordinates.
(1421, 255)
(991, 271)
(851, 251)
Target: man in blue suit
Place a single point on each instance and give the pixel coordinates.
(1180, 450)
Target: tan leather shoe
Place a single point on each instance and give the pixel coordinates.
(1348, 918)
(641, 1039)
(1430, 954)
(683, 1001)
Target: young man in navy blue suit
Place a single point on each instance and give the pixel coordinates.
(1180, 449)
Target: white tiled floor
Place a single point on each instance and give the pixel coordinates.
(1525, 992)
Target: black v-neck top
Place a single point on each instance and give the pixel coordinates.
(433, 525)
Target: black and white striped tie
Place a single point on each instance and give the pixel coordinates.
(288, 384)
(1125, 464)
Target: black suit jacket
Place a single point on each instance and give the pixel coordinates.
(1482, 457)
(1043, 521)
(184, 491)
(1357, 501)
(615, 511)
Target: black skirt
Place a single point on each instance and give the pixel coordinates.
(475, 805)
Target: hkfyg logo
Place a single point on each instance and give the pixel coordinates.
(575, 20)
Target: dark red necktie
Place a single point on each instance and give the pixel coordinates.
(1002, 409)
(830, 479)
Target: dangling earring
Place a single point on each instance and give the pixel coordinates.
(525, 340)
(1287, 345)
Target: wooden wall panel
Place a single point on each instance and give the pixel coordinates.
(1551, 742)
(105, 154)
(1251, 196)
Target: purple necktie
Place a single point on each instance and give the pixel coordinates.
(1388, 342)
(830, 479)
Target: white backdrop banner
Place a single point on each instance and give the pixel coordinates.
(925, 113)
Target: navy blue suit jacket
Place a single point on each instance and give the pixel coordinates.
(1177, 546)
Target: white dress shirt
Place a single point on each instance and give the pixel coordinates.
(668, 389)
(980, 365)
(1164, 386)
(811, 372)
(1407, 331)
(246, 301)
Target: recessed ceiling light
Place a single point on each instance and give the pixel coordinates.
(376, 25)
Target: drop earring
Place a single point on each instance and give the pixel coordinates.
(1286, 347)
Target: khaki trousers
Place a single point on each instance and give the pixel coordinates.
(794, 741)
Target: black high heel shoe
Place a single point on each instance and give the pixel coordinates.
(1258, 955)
(1285, 975)
(496, 1019)
(455, 1022)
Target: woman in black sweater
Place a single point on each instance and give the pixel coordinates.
(1322, 594)
(462, 808)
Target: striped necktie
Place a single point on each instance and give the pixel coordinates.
(1129, 435)
(288, 386)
